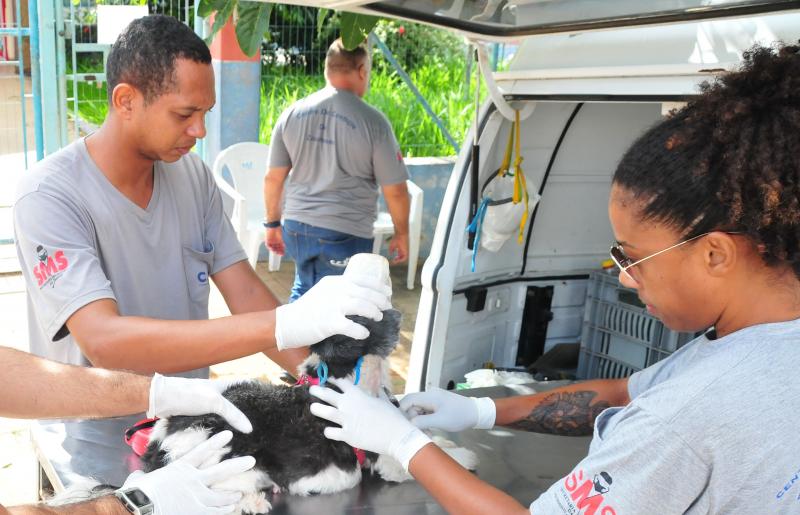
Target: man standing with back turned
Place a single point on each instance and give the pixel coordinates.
(339, 150)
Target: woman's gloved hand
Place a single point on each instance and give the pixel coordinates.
(368, 423)
(182, 396)
(184, 487)
(321, 312)
(448, 411)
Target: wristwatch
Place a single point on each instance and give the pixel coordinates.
(271, 225)
(135, 501)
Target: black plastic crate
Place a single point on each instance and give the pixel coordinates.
(619, 336)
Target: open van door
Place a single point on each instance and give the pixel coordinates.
(511, 19)
(587, 78)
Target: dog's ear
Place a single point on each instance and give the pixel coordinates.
(382, 339)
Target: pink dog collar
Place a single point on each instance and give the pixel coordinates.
(306, 379)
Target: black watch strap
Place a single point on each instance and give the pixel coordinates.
(271, 225)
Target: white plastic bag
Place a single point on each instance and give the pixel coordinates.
(503, 217)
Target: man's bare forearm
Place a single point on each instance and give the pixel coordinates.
(398, 203)
(456, 489)
(568, 411)
(107, 505)
(273, 192)
(38, 388)
(244, 292)
(148, 345)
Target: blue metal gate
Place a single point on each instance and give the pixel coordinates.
(17, 132)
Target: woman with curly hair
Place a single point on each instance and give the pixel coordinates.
(705, 207)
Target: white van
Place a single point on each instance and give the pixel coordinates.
(589, 77)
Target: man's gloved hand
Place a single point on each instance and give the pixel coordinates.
(184, 487)
(182, 396)
(321, 311)
(448, 411)
(368, 423)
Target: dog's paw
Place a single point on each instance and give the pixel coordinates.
(254, 503)
(389, 469)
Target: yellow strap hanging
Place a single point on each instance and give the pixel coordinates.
(520, 186)
(507, 157)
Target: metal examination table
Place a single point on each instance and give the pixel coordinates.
(522, 464)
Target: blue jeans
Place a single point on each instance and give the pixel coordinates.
(318, 252)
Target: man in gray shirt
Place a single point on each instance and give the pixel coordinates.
(119, 234)
(331, 150)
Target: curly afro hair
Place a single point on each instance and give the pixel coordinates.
(144, 55)
(729, 160)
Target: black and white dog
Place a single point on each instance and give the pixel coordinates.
(292, 454)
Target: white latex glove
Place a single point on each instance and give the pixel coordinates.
(368, 423)
(182, 396)
(321, 311)
(441, 409)
(183, 487)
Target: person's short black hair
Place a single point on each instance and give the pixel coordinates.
(144, 55)
(730, 160)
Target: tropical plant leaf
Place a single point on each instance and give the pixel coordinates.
(252, 25)
(221, 17)
(322, 15)
(355, 28)
(208, 7)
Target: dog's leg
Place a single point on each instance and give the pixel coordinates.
(329, 481)
(374, 374)
(253, 484)
(389, 469)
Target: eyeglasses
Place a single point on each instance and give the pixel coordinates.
(624, 263)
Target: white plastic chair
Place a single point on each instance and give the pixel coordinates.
(247, 164)
(384, 228)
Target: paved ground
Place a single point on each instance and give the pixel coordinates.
(11, 137)
(17, 463)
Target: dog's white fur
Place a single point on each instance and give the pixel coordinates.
(328, 481)
(374, 375)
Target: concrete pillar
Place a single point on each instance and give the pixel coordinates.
(235, 118)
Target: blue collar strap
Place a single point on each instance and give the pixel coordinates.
(322, 373)
(475, 227)
(358, 370)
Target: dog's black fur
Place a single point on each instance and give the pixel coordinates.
(287, 440)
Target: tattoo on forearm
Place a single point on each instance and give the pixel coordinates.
(564, 413)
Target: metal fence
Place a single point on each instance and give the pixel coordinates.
(292, 60)
(86, 86)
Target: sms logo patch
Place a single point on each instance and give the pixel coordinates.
(50, 267)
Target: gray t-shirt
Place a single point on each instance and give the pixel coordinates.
(340, 149)
(79, 239)
(711, 429)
